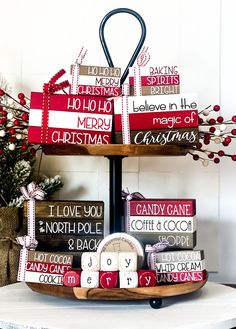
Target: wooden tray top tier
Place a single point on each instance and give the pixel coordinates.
(116, 149)
(117, 293)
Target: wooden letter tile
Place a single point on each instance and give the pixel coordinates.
(108, 279)
(128, 261)
(147, 278)
(128, 279)
(71, 278)
(89, 279)
(90, 261)
(109, 261)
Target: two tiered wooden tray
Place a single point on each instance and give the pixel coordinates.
(115, 153)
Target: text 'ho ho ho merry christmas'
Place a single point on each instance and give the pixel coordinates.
(71, 119)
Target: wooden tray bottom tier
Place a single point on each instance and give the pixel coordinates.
(117, 293)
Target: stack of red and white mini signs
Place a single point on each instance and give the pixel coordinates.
(71, 118)
(44, 267)
(158, 80)
(157, 113)
(97, 80)
(169, 225)
(178, 266)
(170, 221)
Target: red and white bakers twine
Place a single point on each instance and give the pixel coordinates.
(22, 264)
(28, 242)
(144, 57)
(152, 249)
(137, 81)
(76, 71)
(142, 60)
(125, 114)
(126, 195)
(48, 89)
(128, 213)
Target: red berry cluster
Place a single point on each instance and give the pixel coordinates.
(14, 127)
(213, 129)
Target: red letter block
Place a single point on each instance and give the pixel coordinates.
(147, 278)
(71, 278)
(108, 279)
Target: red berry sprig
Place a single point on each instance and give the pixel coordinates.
(21, 101)
(213, 129)
(13, 128)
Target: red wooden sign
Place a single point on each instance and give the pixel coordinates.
(173, 277)
(99, 90)
(162, 207)
(70, 119)
(166, 119)
(157, 80)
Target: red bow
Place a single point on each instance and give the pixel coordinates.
(51, 87)
(48, 89)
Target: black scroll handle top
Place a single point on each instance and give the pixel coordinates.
(139, 46)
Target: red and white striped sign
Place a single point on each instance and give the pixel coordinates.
(142, 78)
(70, 119)
(143, 113)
